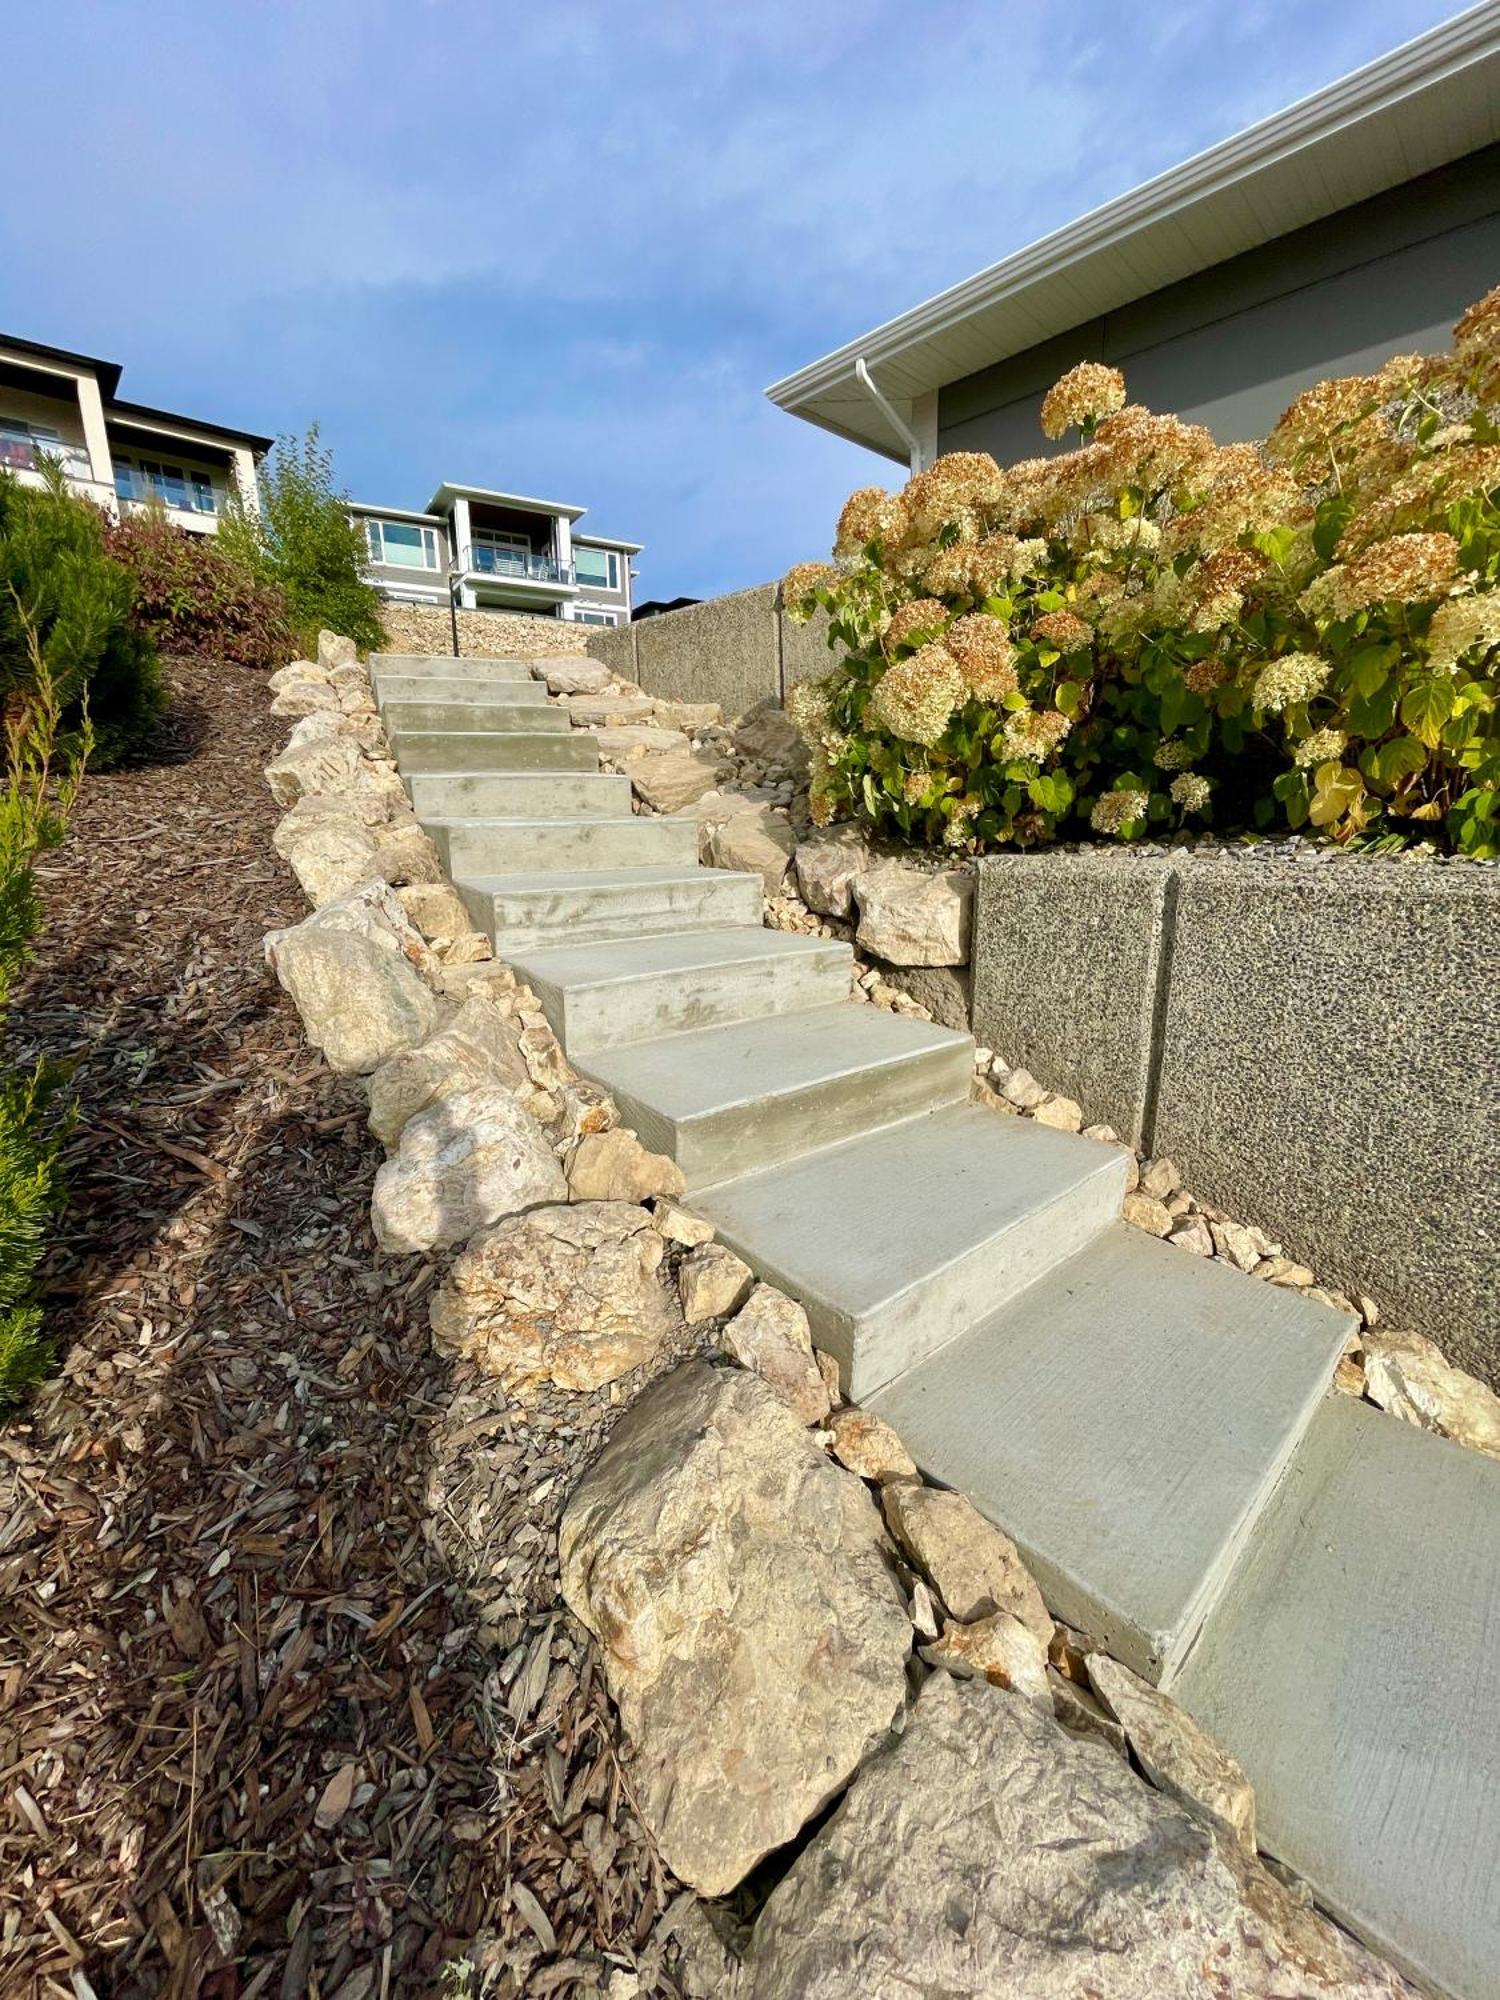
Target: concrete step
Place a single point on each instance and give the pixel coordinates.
(441, 665)
(556, 907)
(720, 1101)
(532, 846)
(459, 687)
(489, 750)
(899, 1242)
(1125, 1420)
(601, 995)
(1353, 1668)
(471, 715)
(439, 795)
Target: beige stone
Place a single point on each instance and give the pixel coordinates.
(579, 676)
(1061, 1113)
(911, 917)
(298, 673)
(623, 741)
(760, 841)
(313, 763)
(712, 1281)
(1082, 1714)
(868, 1445)
(352, 970)
(998, 1648)
(329, 853)
(1021, 1089)
(974, 1568)
(466, 1159)
(570, 1295)
(1235, 1244)
(584, 1108)
(689, 715)
(436, 909)
(1160, 1178)
(1408, 1375)
(334, 650)
(476, 1046)
(828, 1368)
(1142, 1212)
(828, 865)
(679, 1226)
(1191, 1233)
(771, 1337)
(752, 1630)
(670, 779)
(304, 698)
(615, 1166)
(408, 857)
(1177, 1756)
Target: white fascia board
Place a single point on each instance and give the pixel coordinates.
(448, 490)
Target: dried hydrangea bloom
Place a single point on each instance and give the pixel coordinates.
(1136, 447)
(915, 698)
(799, 584)
(1030, 486)
(1240, 499)
(986, 658)
(914, 786)
(922, 615)
(1062, 630)
(1284, 683)
(953, 491)
(1421, 488)
(870, 515)
(1191, 792)
(1203, 676)
(1173, 755)
(1035, 733)
(1107, 534)
(1403, 569)
(1319, 747)
(965, 811)
(821, 806)
(1114, 811)
(1213, 592)
(1463, 625)
(1314, 419)
(1084, 395)
(1478, 330)
(975, 569)
(807, 707)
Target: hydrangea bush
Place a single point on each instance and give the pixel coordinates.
(1153, 630)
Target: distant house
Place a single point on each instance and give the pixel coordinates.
(1356, 225)
(653, 607)
(482, 550)
(65, 406)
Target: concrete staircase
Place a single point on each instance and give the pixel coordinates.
(1318, 1583)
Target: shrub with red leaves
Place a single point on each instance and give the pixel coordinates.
(193, 597)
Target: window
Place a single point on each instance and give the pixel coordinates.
(595, 618)
(191, 492)
(600, 567)
(402, 544)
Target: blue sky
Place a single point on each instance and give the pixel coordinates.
(562, 249)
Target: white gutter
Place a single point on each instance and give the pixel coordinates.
(882, 403)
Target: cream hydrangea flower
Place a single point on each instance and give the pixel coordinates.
(799, 584)
(915, 698)
(1190, 791)
(1063, 630)
(1404, 569)
(1171, 756)
(1035, 733)
(1114, 811)
(986, 658)
(922, 614)
(953, 491)
(1319, 747)
(870, 515)
(1083, 395)
(1283, 683)
(1462, 625)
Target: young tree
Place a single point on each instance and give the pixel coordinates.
(303, 542)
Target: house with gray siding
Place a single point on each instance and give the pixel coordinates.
(479, 549)
(1357, 224)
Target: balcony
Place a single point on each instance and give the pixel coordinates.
(26, 454)
(190, 495)
(518, 565)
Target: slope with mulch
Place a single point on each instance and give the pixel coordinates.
(258, 1734)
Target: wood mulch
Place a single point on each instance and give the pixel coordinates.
(288, 1703)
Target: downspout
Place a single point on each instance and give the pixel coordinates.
(898, 424)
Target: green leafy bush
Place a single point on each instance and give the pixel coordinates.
(60, 589)
(192, 595)
(1153, 630)
(303, 544)
(38, 794)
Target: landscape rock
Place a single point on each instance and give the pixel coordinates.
(828, 1368)
(1061, 1113)
(468, 1158)
(298, 673)
(753, 1632)
(569, 1295)
(759, 841)
(913, 918)
(1285, 1271)
(769, 734)
(999, 1649)
(1142, 1212)
(304, 698)
(669, 779)
(1160, 1179)
(1407, 1375)
(477, 1046)
(586, 1107)
(436, 909)
(1235, 1244)
(1177, 1756)
(987, 1852)
(1021, 1089)
(580, 676)
(315, 763)
(679, 1226)
(351, 971)
(615, 1166)
(408, 857)
(1190, 1234)
(771, 1337)
(868, 1445)
(334, 650)
(626, 740)
(328, 853)
(689, 715)
(828, 865)
(974, 1568)
(1082, 1714)
(712, 1281)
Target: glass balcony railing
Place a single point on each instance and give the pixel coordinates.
(187, 496)
(518, 563)
(25, 454)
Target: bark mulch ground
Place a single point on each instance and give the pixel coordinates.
(264, 1729)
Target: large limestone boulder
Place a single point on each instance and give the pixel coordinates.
(313, 761)
(569, 1295)
(298, 673)
(579, 676)
(334, 650)
(437, 910)
(761, 842)
(828, 865)
(354, 970)
(985, 1852)
(477, 1046)
(305, 698)
(913, 918)
(670, 779)
(465, 1160)
(753, 1633)
(328, 853)
(407, 855)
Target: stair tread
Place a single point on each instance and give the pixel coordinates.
(617, 961)
(702, 1070)
(1353, 1668)
(1124, 1419)
(547, 882)
(865, 1223)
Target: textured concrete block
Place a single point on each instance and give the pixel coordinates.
(1331, 1071)
(727, 650)
(805, 654)
(616, 647)
(1066, 958)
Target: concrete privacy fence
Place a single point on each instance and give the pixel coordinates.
(1315, 1043)
(739, 650)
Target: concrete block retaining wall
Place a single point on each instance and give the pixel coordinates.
(1315, 1043)
(428, 628)
(740, 651)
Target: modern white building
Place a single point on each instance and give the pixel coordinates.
(482, 550)
(65, 406)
